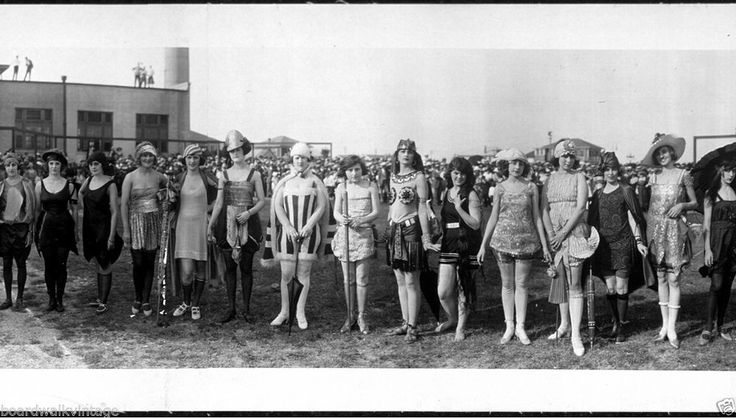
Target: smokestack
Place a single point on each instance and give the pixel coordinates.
(176, 68)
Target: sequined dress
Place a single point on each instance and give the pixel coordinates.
(360, 239)
(145, 219)
(616, 248)
(515, 233)
(668, 247)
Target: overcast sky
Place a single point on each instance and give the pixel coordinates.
(453, 78)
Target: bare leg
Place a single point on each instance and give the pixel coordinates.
(361, 276)
(576, 308)
(447, 290)
(673, 280)
(508, 283)
(287, 272)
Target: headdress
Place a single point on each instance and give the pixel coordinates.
(407, 144)
(565, 146)
(300, 148)
(145, 147)
(234, 140)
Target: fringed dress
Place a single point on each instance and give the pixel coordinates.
(145, 219)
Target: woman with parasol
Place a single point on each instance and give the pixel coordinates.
(141, 217)
(355, 233)
(299, 201)
(461, 217)
(564, 199)
(672, 194)
(719, 235)
(409, 233)
(240, 195)
(514, 231)
(615, 212)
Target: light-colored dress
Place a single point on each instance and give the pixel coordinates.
(515, 233)
(360, 240)
(668, 241)
(191, 223)
(562, 196)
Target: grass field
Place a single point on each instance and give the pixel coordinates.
(117, 340)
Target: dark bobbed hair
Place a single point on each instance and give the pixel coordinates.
(462, 165)
(503, 168)
(350, 161)
(715, 183)
(53, 157)
(556, 163)
(417, 164)
(656, 150)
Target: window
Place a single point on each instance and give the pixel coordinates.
(154, 128)
(94, 129)
(35, 120)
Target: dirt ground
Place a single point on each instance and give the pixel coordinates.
(78, 338)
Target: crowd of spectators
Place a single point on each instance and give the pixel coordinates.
(488, 172)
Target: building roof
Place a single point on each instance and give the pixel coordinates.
(284, 140)
(195, 136)
(579, 143)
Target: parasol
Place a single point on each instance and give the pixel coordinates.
(295, 286)
(591, 303)
(705, 169)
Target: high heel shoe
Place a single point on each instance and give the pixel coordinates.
(302, 322)
(661, 336)
(508, 335)
(675, 343)
(520, 333)
(577, 347)
(559, 334)
(362, 324)
(348, 325)
(280, 319)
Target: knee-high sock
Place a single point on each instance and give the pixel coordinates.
(623, 306)
(8, 276)
(723, 297)
(106, 282)
(198, 290)
(613, 301)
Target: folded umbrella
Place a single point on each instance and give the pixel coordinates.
(295, 286)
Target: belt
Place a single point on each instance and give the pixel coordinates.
(144, 205)
(452, 225)
(409, 222)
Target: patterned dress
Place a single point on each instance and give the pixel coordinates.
(562, 195)
(616, 248)
(668, 241)
(360, 239)
(516, 233)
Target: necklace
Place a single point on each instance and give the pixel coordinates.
(404, 178)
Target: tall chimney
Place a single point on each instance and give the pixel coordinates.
(176, 68)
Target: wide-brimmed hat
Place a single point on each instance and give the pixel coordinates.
(56, 154)
(677, 143)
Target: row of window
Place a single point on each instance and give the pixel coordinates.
(95, 126)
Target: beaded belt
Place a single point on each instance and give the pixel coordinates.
(409, 222)
(144, 205)
(452, 225)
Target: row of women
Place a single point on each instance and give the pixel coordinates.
(524, 224)
(611, 235)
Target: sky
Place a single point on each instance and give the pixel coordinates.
(457, 79)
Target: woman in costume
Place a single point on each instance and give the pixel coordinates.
(672, 194)
(299, 201)
(196, 190)
(99, 195)
(460, 215)
(362, 205)
(240, 195)
(615, 213)
(719, 237)
(141, 216)
(18, 206)
(409, 233)
(56, 232)
(564, 199)
(514, 231)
